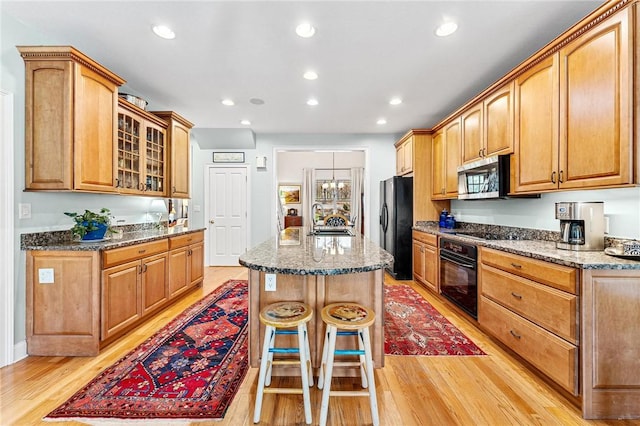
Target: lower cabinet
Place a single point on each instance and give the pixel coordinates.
(131, 291)
(425, 260)
(79, 301)
(186, 262)
(521, 305)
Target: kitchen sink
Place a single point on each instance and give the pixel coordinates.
(332, 231)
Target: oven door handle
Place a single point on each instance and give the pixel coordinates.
(464, 265)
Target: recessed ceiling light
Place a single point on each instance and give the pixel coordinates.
(381, 121)
(245, 122)
(256, 101)
(228, 102)
(305, 30)
(310, 75)
(164, 32)
(312, 102)
(446, 29)
(395, 101)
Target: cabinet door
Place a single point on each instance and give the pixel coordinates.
(49, 106)
(120, 297)
(155, 289)
(155, 160)
(178, 271)
(96, 101)
(437, 169)
(431, 267)
(498, 122)
(129, 152)
(418, 261)
(180, 164)
(407, 154)
(452, 159)
(196, 263)
(536, 144)
(472, 144)
(400, 160)
(595, 106)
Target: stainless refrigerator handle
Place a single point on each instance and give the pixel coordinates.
(385, 217)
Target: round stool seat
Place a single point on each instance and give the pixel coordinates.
(348, 316)
(286, 314)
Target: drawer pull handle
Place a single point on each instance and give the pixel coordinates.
(141, 251)
(517, 296)
(514, 334)
(516, 265)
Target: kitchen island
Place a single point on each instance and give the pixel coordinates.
(318, 270)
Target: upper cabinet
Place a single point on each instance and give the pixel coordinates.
(404, 155)
(70, 120)
(487, 127)
(446, 159)
(178, 138)
(573, 108)
(79, 136)
(142, 151)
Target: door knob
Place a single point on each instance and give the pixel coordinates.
(212, 221)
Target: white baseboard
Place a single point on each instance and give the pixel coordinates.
(20, 351)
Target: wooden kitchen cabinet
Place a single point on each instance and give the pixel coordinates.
(178, 139)
(574, 112)
(610, 344)
(63, 312)
(404, 155)
(134, 284)
(535, 317)
(142, 151)
(70, 120)
(186, 262)
(425, 260)
(446, 159)
(472, 137)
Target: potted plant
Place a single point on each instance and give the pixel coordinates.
(90, 225)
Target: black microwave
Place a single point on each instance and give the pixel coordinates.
(483, 179)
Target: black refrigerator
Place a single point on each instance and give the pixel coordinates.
(396, 221)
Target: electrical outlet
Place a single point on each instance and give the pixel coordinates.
(45, 276)
(24, 211)
(606, 224)
(269, 282)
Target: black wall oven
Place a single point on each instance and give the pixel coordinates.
(458, 274)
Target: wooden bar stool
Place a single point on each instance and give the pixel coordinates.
(279, 319)
(355, 319)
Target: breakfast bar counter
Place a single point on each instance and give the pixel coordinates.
(317, 270)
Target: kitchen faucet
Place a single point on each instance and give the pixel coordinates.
(313, 212)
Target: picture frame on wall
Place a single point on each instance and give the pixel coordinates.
(228, 157)
(289, 193)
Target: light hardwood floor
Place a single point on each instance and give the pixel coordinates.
(490, 390)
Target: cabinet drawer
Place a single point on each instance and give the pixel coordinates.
(550, 354)
(138, 251)
(549, 308)
(557, 276)
(185, 240)
(425, 237)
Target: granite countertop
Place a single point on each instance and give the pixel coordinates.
(542, 249)
(61, 240)
(295, 252)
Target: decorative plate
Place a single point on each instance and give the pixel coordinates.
(617, 252)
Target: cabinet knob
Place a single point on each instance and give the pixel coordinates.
(212, 221)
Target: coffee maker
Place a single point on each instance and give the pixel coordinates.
(581, 225)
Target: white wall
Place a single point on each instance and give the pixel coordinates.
(380, 165)
(622, 206)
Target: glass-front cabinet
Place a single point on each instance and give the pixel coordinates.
(142, 151)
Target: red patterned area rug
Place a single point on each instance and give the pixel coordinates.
(190, 369)
(414, 327)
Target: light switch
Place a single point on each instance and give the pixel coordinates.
(45, 275)
(269, 282)
(24, 211)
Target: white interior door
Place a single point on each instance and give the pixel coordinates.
(227, 215)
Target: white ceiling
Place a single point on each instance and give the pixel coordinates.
(365, 52)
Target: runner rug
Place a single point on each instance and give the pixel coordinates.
(414, 327)
(190, 369)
